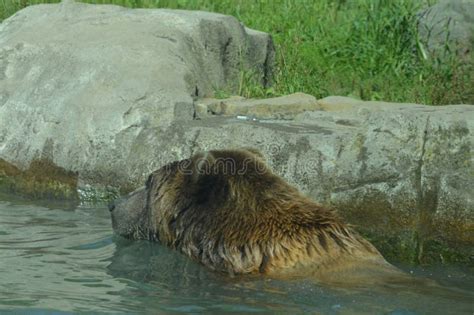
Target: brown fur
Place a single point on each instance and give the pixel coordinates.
(227, 210)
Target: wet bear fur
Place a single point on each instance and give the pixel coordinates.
(228, 211)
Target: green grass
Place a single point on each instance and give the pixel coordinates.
(367, 49)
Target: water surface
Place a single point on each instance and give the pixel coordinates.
(54, 257)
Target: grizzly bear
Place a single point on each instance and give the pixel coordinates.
(227, 210)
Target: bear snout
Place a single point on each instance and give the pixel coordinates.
(129, 214)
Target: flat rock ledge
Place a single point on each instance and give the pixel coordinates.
(89, 111)
(283, 108)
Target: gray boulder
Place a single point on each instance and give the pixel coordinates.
(95, 77)
(92, 102)
(448, 24)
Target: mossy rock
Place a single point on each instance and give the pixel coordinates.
(42, 180)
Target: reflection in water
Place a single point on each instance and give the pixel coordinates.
(65, 259)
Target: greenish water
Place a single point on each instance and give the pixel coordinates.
(55, 258)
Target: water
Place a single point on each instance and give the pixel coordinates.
(55, 258)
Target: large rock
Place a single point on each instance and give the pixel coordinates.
(79, 82)
(448, 24)
(96, 100)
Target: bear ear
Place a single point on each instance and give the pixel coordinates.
(209, 187)
(202, 164)
(255, 151)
